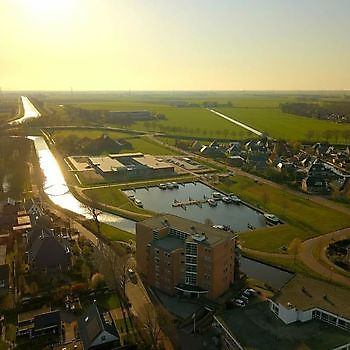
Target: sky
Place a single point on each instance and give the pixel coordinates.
(174, 45)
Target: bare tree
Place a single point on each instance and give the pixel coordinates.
(113, 262)
(94, 212)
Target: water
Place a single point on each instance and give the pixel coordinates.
(57, 190)
(30, 111)
(272, 276)
(160, 201)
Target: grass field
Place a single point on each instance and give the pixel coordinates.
(286, 126)
(110, 232)
(259, 110)
(92, 134)
(304, 219)
(114, 197)
(139, 143)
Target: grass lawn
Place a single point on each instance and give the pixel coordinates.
(147, 146)
(114, 197)
(92, 134)
(304, 219)
(110, 232)
(108, 302)
(282, 125)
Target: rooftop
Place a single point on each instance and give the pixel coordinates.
(152, 162)
(213, 235)
(106, 164)
(306, 293)
(120, 155)
(168, 243)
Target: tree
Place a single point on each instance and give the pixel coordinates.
(293, 248)
(113, 262)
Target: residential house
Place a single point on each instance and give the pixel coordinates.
(97, 330)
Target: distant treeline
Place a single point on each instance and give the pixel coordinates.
(204, 104)
(336, 111)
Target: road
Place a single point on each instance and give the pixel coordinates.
(30, 112)
(244, 126)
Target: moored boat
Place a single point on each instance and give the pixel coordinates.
(212, 202)
(272, 218)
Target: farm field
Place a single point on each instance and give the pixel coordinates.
(303, 219)
(139, 143)
(258, 110)
(286, 126)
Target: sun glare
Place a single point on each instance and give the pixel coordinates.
(49, 7)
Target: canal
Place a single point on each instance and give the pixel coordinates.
(57, 190)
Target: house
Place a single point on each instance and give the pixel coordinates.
(97, 330)
(4, 279)
(39, 323)
(236, 161)
(304, 298)
(315, 184)
(47, 252)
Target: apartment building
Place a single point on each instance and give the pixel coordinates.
(181, 256)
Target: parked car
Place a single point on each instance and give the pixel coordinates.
(244, 298)
(249, 292)
(239, 302)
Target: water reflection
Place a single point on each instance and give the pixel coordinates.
(272, 276)
(57, 190)
(29, 111)
(236, 216)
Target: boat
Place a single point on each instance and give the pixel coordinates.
(169, 185)
(175, 185)
(272, 218)
(235, 200)
(216, 195)
(131, 197)
(212, 202)
(138, 203)
(162, 186)
(226, 199)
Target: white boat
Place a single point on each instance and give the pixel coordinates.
(272, 218)
(216, 195)
(226, 199)
(212, 202)
(235, 200)
(162, 186)
(175, 185)
(131, 197)
(169, 185)
(138, 203)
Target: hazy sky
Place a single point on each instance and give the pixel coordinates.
(174, 44)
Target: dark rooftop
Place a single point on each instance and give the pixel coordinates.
(213, 235)
(168, 243)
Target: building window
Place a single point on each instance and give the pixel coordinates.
(191, 249)
(191, 260)
(155, 234)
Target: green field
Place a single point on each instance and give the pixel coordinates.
(304, 219)
(92, 134)
(139, 143)
(286, 126)
(110, 232)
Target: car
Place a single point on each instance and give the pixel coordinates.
(249, 292)
(239, 302)
(132, 276)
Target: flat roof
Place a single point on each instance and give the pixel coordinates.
(168, 243)
(29, 315)
(306, 293)
(192, 228)
(106, 164)
(80, 163)
(120, 155)
(152, 162)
